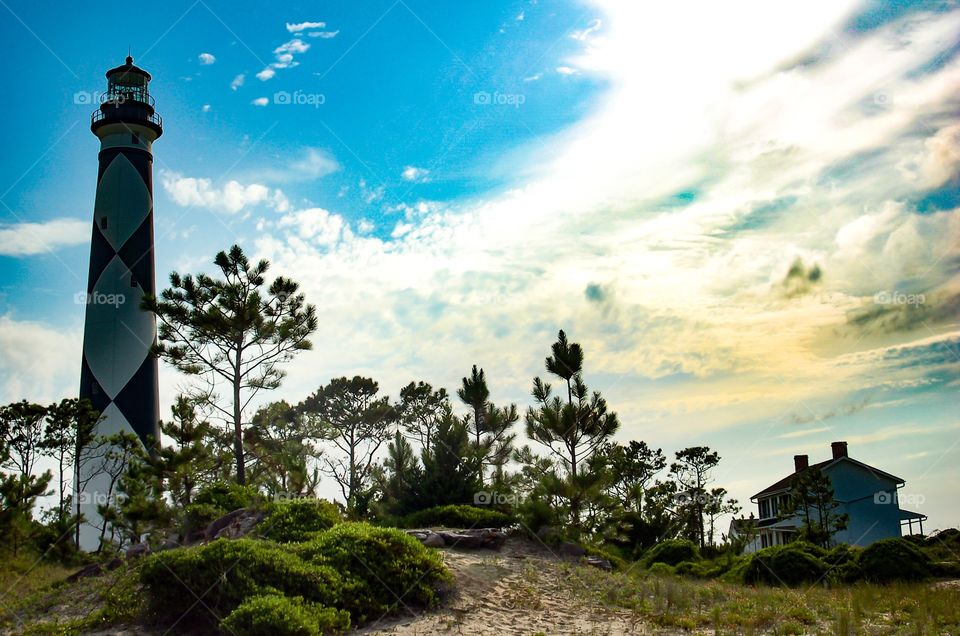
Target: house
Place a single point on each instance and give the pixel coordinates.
(867, 495)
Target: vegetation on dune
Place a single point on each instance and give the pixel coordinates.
(297, 520)
(455, 516)
(309, 566)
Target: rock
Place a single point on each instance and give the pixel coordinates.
(137, 550)
(597, 562)
(419, 535)
(433, 540)
(488, 538)
(114, 563)
(240, 526)
(546, 533)
(217, 525)
(461, 540)
(172, 541)
(572, 550)
(94, 569)
(494, 538)
(195, 537)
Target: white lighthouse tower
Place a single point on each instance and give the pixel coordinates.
(118, 375)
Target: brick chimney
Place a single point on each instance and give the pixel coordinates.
(839, 449)
(800, 462)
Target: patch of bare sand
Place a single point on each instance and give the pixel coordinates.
(522, 589)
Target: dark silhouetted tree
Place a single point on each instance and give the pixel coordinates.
(235, 331)
(358, 423)
(692, 470)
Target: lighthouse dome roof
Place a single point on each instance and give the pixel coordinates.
(128, 67)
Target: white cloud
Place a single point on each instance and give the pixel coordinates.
(567, 70)
(316, 225)
(533, 78)
(27, 239)
(237, 81)
(584, 35)
(284, 56)
(326, 35)
(295, 45)
(40, 362)
(302, 26)
(233, 197)
(305, 164)
(414, 174)
(520, 16)
(205, 108)
(206, 58)
(260, 101)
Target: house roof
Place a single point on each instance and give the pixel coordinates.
(743, 523)
(784, 484)
(909, 514)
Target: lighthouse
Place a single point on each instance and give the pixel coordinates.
(118, 374)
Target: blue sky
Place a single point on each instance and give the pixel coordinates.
(749, 219)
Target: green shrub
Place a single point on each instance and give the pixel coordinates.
(894, 560)
(672, 552)
(457, 517)
(227, 572)
(789, 564)
(275, 615)
(661, 569)
(384, 568)
(298, 520)
(227, 496)
(701, 569)
(197, 516)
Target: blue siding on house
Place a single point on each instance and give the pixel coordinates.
(866, 496)
(871, 517)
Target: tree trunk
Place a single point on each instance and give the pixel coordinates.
(238, 433)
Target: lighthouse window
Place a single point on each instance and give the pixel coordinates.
(94, 388)
(133, 280)
(135, 138)
(103, 222)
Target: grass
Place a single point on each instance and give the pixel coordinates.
(42, 604)
(679, 603)
(46, 604)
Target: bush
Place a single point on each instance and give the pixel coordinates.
(198, 516)
(384, 569)
(298, 520)
(894, 560)
(227, 496)
(457, 517)
(790, 564)
(275, 615)
(228, 572)
(661, 569)
(672, 552)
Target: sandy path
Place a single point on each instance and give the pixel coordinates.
(518, 590)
